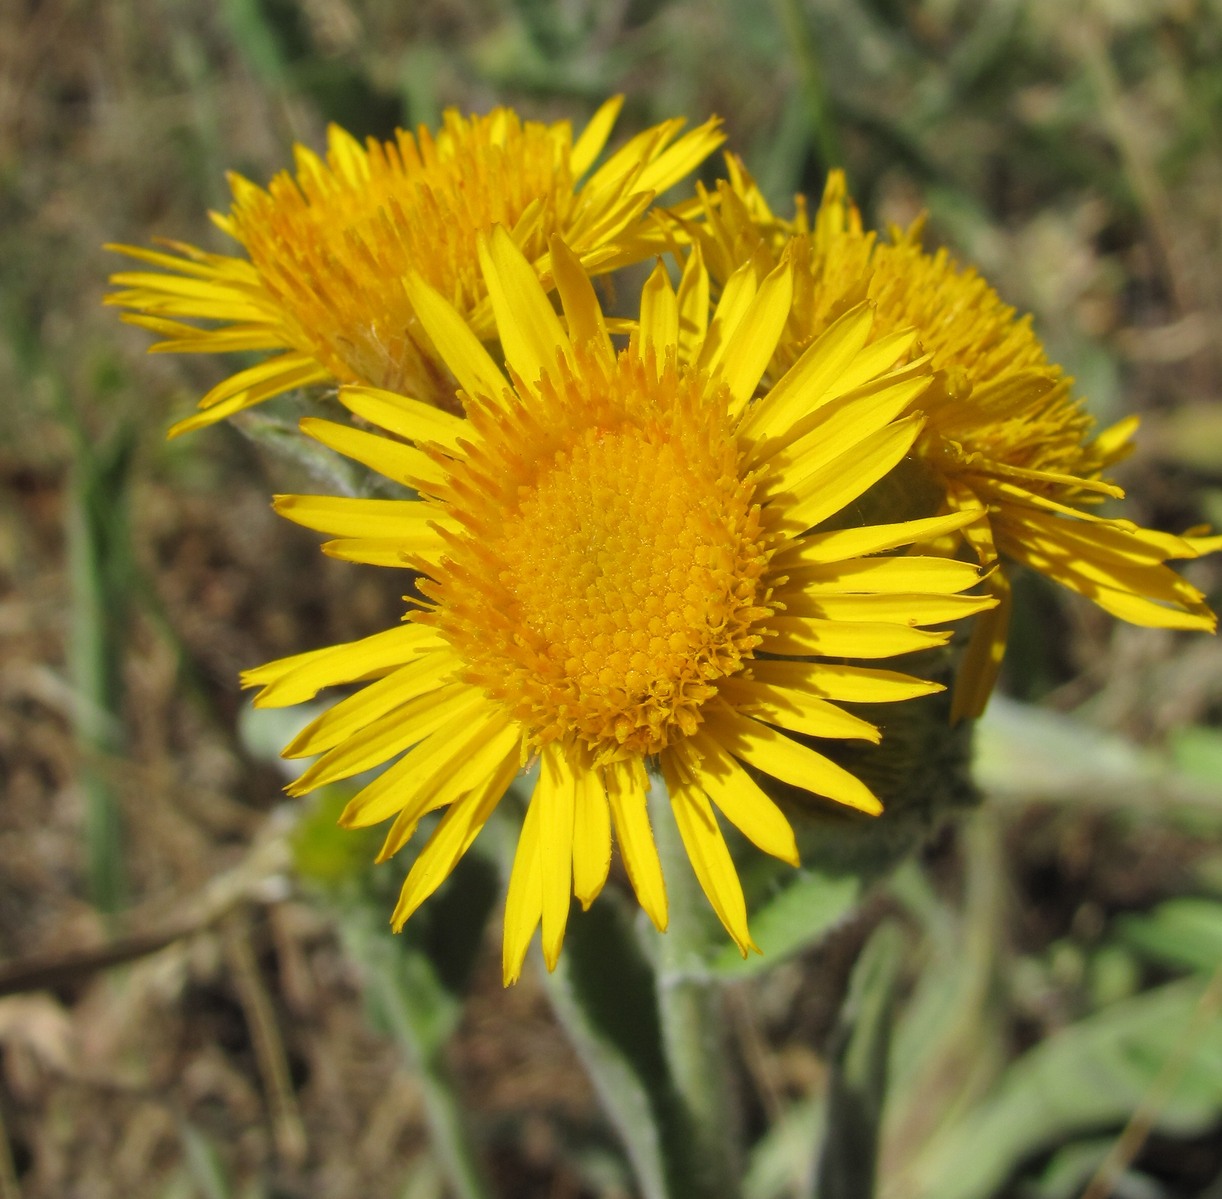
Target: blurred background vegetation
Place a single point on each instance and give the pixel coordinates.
(1056, 965)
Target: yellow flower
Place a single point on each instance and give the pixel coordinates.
(322, 285)
(617, 570)
(1004, 437)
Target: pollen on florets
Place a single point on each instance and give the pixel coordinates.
(611, 573)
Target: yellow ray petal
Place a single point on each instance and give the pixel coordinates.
(994, 490)
(1094, 541)
(403, 416)
(403, 463)
(706, 849)
(803, 636)
(627, 786)
(837, 681)
(594, 136)
(1058, 549)
(982, 659)
(829, 489)
(1114, 442)
(531, 333)
(1195, 543)
(783, 758)
(978, 532)
(298, 678)
(396, 552)
(497, 752)
(433, 772)
(194, 292)
(391, 734)
(1150, 595)
(591, 836)
(840, 545)
(194, 263)
(450, 840)
(900, 608)
(1148, 581)
(258, 379)
(524, 902)
(735, 299)
(181, 337)
(693, 305)
(659, 315)
(293, 374)
(682, 158)
(738, 797)
(348, 517)
(795, 710)
(451, 336)
(1099, 486)
(843, 425)
(349, 716)
(749, 350)
(581, 307)
(879, 575)
(555, 795)
(878, 358)
(623, 168)
(803, 386)
(1138, 610)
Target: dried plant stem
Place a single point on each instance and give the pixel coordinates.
(287, 1128)
(267, 860)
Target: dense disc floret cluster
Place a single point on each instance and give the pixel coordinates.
(1004, 437)
(612, 574)
(672, 558)
(606, 546)
(328, 247)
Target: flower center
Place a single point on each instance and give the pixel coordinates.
(623, 579)
(333, 244)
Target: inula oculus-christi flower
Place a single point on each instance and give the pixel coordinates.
(322, 284)
(1004, 436)
(625, 565)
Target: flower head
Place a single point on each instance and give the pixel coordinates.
(1004, 436)
(322, 285)
(618, 570)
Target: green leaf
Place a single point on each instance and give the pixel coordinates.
(857, 1091)
(1024, 753)
(415, 985)
(797, 914)
(1198, 752)
(255, 34)
(1180, 932)
(605, 994)
(780, 1163)
(1089, 1076)
(274, 428)
(204, 1163)
(1071, 1169)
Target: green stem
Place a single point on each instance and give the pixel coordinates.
(796, 28)
(100, 557)
(857, 1087)
(691, 1008)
